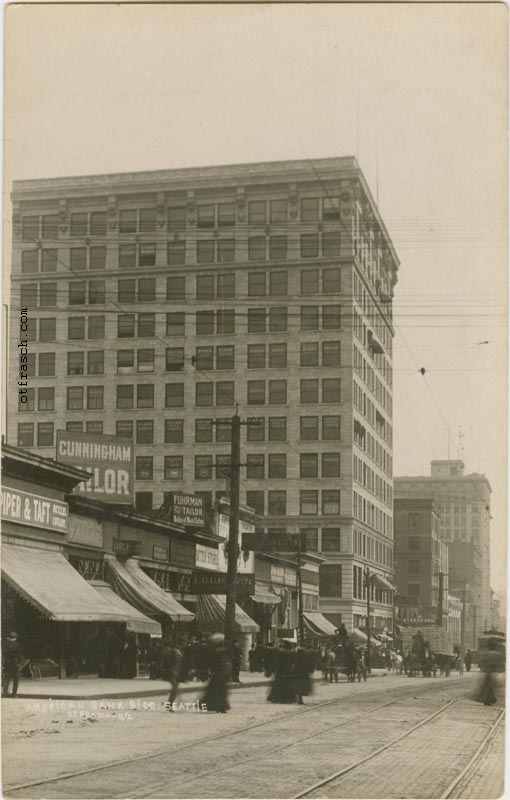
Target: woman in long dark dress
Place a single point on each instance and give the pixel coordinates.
(302, 672)
(283, 689)
(216, 693)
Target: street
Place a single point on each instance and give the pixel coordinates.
(389, 737)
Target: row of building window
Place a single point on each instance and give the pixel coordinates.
(372, 549)
(272, 429)
(259, 356)
(207, 322)
(312, 502)
(220, 393)
(208, 215)
(208, 251)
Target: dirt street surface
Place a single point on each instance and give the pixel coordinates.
(413, 737)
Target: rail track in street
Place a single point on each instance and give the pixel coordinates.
(349, 733)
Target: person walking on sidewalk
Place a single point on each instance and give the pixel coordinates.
(216, 693)
(237, 654)
(171, 663)
(11, 659)
(467, 661)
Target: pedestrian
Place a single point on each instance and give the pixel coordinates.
(485, 693)
(128, 658)
(236, 657)
(302, 671)
(171, 662)
(216, 693)
(468, 658)
(252, 657)
(202, 660)
(11, 660)
(269, 660)
(283, 689)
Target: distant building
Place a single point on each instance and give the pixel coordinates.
(464, 504)
(421, 557)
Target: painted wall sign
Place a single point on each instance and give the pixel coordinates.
(206, 557)
(32, 509)
(188, 509)
(109, 459)
(216, 583)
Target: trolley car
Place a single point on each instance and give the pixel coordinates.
(491, 653)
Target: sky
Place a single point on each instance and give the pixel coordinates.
(417, 92)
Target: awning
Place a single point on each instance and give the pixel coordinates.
(211, 613)
(360, 635)
(135, 620)
(48, 581)
(265, 596)
(384, 583)
(318, 624)
(134, 585)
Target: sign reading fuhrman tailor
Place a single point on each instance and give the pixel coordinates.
(31, 509)
(216, 583)
(188, 509)
(109, 459)
(273, 542)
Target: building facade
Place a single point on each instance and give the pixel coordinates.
(158, 302)
(464, 503)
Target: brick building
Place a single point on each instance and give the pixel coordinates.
(157, 301)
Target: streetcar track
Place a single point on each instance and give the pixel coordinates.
(356, 764)
(487, 740)
(235, 731)
(155, 786)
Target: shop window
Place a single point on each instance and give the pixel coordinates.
(174, 395)
(174, 431)
(309, 502)
(144, 468)
(174, 468)
(255, 466)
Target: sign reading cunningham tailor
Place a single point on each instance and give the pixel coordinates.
(188, 509)
(31, 509)
(109, 459)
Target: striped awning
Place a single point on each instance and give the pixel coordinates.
(317, 624)
(211, 614)
(134, 585)
(135, 620)
(46, 580)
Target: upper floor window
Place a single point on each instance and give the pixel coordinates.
(309, 245)
(226, 214)
(127, 221)
(257, 212)
(309, 209)
(206, 215)
(278, 211)
(277, 248)
(176, 218)
(330, 208)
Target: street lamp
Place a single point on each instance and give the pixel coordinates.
(369, 580)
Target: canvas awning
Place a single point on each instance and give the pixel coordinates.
(135, 620)
(384, 583)
(134, 585)
(265, 596)
(360, 635)
(47, 581)
(211, 613)
(317, 624)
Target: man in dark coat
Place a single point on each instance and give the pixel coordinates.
(302, 672)
(171, 663)
(468, 660)
(11, 659)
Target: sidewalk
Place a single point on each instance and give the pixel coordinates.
(113, 688)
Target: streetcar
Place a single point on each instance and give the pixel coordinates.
(491, 652)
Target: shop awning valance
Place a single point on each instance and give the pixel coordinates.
(47, 581)
(384, 583)
(317, 624)
(135, 620)
(359, 635)
(265, 596)
(211, 614)
(134, 585)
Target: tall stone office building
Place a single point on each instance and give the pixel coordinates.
(158, 301)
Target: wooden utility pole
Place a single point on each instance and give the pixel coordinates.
(463, 622)
(440, 600)
(368, 583)
(233, 530)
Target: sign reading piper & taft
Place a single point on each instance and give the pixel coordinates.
(188, 509)
(31, 509)
(108, 459)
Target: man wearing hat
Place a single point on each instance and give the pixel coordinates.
(11, 658)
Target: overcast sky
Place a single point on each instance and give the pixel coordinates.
(419, 89)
